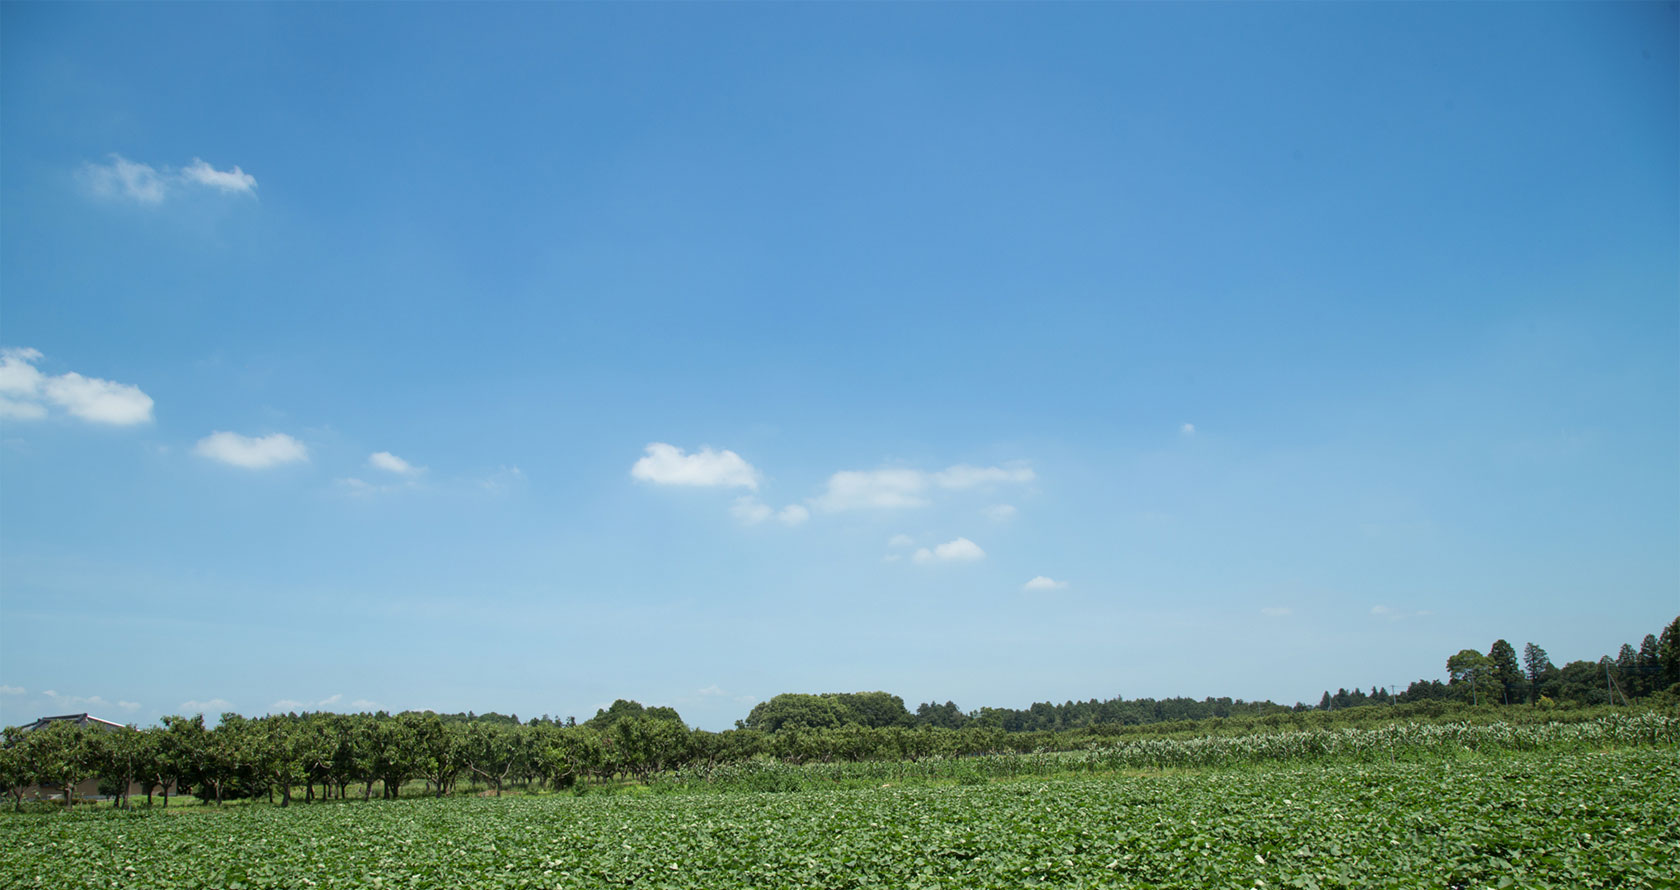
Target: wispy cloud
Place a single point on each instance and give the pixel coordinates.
(251, 452)
(13, 690)
(1000, 512)
(1042, 582)
(503, 480)
(959, 550)
(1274, 611)
(90, 703)
(897, 488)
(1388, 613)
(901, 541)
(867, 489)
(123, 179)
(210, 706)
(964, 476)
(751, 511)
(666, 464)
(1188, 429)
(26, 393)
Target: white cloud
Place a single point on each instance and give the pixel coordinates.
(13, 690)
(213, 706)
(1000, 512)
(750, 510)
(712, 690)
(668, 465)
(251, 452)
(1043, 583)
(235, 180)
(124, 179)
(959, 550)
(362, 704)
(864, 489)
(1274, 611)
(1188, 429)
(25, 393)
(292, 704)
(964, 476)
(130, 706)
(385, 460)
(897, 488)
(901, 541)
(100, 401)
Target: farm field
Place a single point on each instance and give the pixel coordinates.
(1576, 820)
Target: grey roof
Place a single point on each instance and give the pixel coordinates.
(83, 719)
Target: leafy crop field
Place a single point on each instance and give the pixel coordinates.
(1572, 820)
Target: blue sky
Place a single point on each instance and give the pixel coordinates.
(526, 357)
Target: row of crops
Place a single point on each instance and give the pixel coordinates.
(1575, 819)
(1393, 743)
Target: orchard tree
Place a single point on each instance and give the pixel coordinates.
(59, 753)
(1471, 668)
(15, 771)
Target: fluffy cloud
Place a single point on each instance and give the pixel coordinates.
(235, 181)
(251, 452)
(129, 180)
(25, 393)
(959, 550)
(793, 514)
(385, 460)
(1043, 583)
(898, 488)
(668, 465)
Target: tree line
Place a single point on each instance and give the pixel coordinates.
(1498, 677)
(329, 755)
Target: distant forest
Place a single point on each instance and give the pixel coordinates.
(1498, 676)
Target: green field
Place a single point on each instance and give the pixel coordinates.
(1567, 820)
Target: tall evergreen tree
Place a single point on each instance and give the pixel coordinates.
(1536, 664)
(1503, 661)
(1668, 654)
